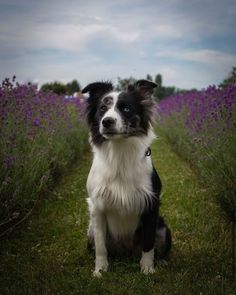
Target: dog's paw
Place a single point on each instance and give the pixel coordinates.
(147, 269)
(97, 274)
(147, 262)
(101, 264)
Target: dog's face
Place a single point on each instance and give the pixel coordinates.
(113, 115)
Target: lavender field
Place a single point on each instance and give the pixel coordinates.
(41, 135)
(201, 125)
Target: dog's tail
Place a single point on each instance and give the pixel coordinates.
(163, 240)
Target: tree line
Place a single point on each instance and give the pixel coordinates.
(160, 92)
(61, 88)
(231, 79)
(74, 86)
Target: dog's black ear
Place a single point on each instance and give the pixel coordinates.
(145, 87)
(97, 89)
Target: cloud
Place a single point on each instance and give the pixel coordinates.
(213, 57)
(53, 40)
(167, 31)
(207, 56)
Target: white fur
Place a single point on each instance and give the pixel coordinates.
(118, 185)
(120, 174)
(122, 224)
(99, 225)
(113, 113)
(147, 262)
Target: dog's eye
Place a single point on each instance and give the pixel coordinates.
(126, 109)
(103, 108)
(107, 100)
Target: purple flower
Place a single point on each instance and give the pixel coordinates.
(207, 114)
(36, 122)
(8, 161)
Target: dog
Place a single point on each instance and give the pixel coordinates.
(123, 186)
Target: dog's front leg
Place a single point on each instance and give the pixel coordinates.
(149, 222)
(100, 227)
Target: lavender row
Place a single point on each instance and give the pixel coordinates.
(202, 127)
(41, 134)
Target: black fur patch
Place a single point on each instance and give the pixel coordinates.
(140, 111)
(96, 91)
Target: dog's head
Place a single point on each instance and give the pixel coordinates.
(113, 115)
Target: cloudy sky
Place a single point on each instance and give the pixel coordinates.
(191, 43)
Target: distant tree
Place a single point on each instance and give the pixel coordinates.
(231, 79)
(158, 80)
(160, 91)
(62, 89)
(56, 87)
(72, 87)
(169, 90)
(149, 77)
(182, 91)
(123, 83)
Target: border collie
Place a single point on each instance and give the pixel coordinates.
(123, 186)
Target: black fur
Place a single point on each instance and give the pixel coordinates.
(96, 91)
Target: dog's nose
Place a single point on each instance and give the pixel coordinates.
(108, 122)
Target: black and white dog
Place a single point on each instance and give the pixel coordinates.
(123, 186)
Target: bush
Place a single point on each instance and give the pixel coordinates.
(201, 126)
(41, 135)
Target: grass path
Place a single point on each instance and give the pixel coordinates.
(49, 256)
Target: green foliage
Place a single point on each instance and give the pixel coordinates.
(231, 79)
(56, 87)
(62, 89)
(162, 91)
(159, 93)
(123, 83)
(72, 87)
(158, 80)
(149, 77)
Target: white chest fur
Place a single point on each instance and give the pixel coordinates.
(122, 225)
(120, 176)
(119, 182)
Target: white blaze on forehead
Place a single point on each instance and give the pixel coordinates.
(109, 98)
(113, 96)
(112, 110)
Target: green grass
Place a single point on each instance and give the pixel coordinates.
(49, 255)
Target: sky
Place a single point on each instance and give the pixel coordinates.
(191, 43)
